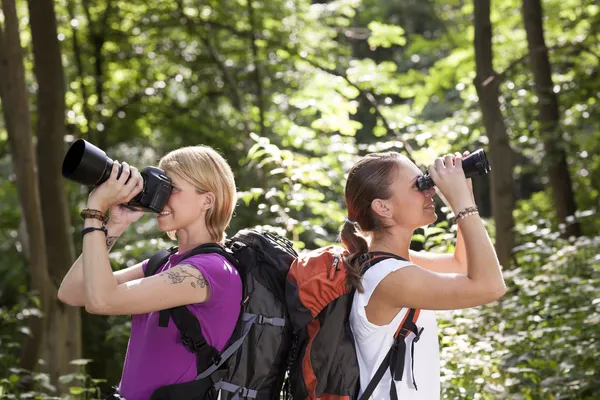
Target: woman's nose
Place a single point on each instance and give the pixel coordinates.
(429, 192)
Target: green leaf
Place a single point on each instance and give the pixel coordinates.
(81, 361)
(76, 390)
(384, 35)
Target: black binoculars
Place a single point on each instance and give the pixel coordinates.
(86, 164)
(475, 164)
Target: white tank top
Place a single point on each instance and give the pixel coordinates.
(373, 343)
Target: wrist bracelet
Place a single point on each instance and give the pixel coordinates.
(97, 214)
(465, 213)
(92, 229)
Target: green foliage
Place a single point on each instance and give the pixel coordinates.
(18, 383)
(540, 340)
(292, 94)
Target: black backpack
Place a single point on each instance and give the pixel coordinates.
(253, 363)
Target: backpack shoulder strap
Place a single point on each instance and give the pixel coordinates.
(157, 260)
(375, 257)
(213, 248)
(394, 359)
(186, 322)
(192, 337)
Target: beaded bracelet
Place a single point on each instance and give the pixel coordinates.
(465, 213)
(97, 214)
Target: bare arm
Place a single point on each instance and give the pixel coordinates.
(181, 285)
(417, 287)
(444, 263)
(71, 289)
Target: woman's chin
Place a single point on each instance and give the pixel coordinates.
(162, 225)
(432, 218)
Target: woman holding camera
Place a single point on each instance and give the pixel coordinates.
(198, 211)
(385, 207)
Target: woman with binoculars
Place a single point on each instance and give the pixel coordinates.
(199, 208)
(388, 198)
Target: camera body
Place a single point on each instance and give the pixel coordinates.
(86, 164)
(475, 164)
(156, 191)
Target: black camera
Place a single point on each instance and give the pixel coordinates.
(475, 164)
(86, 164)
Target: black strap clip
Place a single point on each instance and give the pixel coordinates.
(418, 336)
(235, 246)
(193, 343)
(243, 392)
(261, 320)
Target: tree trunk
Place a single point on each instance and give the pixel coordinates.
(548, 118)
(63, 323)
(500, 153)
(15, 106)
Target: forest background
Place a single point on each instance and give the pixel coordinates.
(292, 93)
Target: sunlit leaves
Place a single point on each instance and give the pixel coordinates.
(384, 35)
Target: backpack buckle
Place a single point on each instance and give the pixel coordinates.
(404, 332)
(243, 392)
(192, 343)
(235, 246)
(262, 320)
(216, 359)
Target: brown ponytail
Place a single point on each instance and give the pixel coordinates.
(369, 179)
(357, 246)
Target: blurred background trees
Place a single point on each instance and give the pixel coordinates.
(292, 93)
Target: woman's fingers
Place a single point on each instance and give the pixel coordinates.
(449, 160)
(458, 161)
(433, 170)
(126, 173)
(114, 173)
(134, 185)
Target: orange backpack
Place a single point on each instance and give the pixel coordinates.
(323, 362)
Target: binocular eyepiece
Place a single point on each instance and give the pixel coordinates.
(88, 165)
(475, 164)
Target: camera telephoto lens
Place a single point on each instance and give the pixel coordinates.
(86, 164)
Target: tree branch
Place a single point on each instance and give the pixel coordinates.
(581, 47)
(513, 64)
(367, 95)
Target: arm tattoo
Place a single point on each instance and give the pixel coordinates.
(187, 273)
(110, 241)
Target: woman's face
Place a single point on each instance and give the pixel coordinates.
(185, 207)
(409, 207)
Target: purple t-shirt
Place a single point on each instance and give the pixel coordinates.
(155, 356)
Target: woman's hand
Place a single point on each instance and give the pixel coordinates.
(449, 176)
(469, 181)
(123, 216)
(115, 191)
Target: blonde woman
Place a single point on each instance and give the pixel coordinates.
(198, 211)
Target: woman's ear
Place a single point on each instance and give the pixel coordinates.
(209, 201)
(381, 208)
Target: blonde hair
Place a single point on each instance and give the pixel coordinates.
(207, 171)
